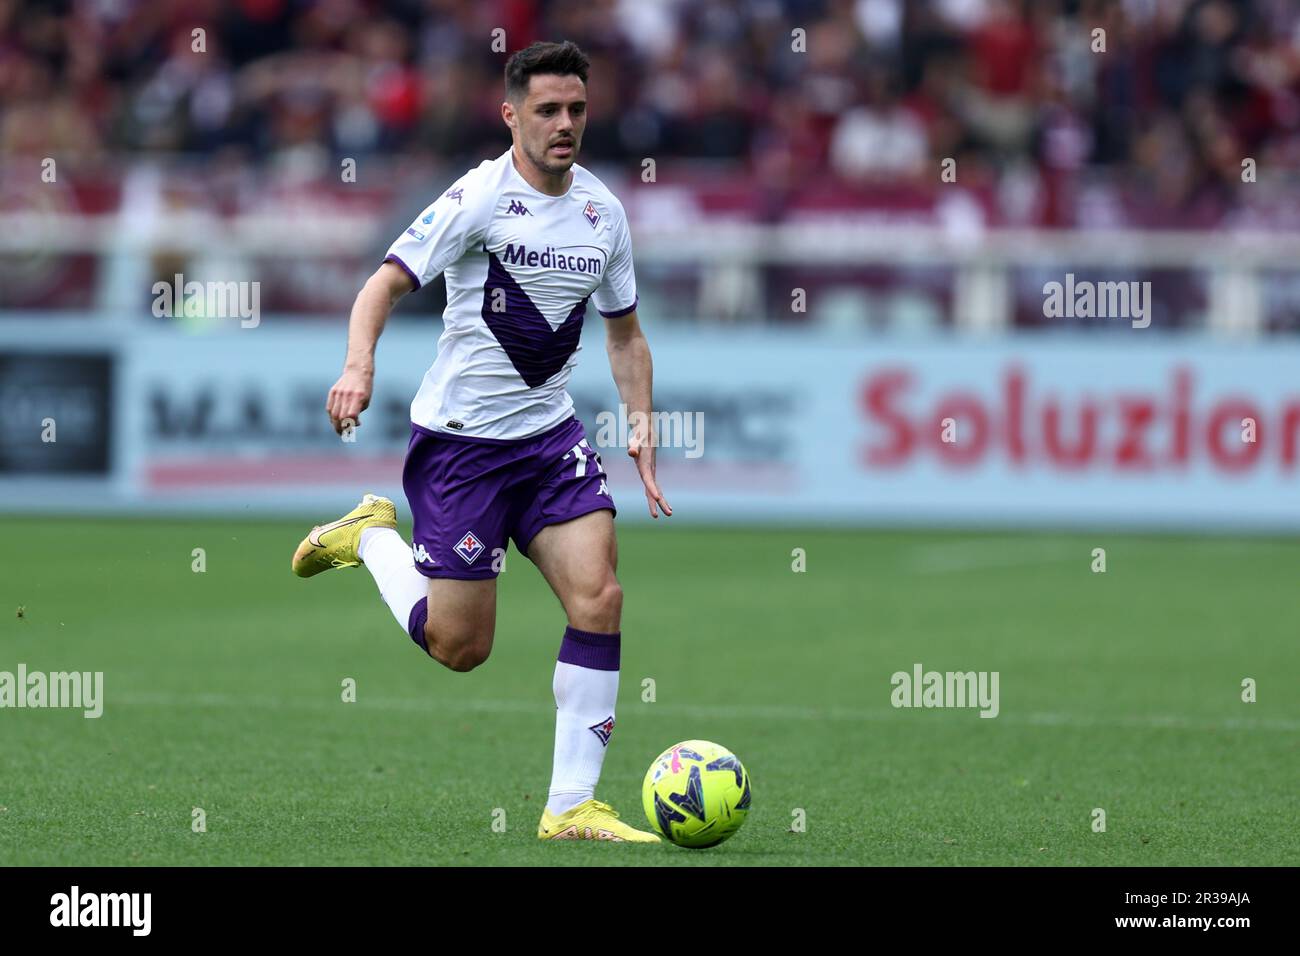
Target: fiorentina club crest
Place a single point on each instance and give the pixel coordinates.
(593, 217)
(603, 730)
(469, 547)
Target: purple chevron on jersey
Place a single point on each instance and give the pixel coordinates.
(535, 349)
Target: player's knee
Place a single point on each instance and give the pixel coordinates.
(462, 658)
(466, 658)
(611, 599)
(456, 652)
(600, 608)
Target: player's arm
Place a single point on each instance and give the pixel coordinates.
(629, 360)
(437, 238)
(350, 395)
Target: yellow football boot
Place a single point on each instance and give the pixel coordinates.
(590, 820)
(334, 545)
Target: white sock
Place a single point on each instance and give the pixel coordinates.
(388, 559)
(584, 698)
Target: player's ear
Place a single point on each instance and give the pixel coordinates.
(508, 113)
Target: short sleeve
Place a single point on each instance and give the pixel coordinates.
(616, 294)
(440, 235)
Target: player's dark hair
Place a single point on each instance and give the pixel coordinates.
(560, 59)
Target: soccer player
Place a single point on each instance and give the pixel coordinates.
(496, 452)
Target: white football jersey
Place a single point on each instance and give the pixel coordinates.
(520, 266)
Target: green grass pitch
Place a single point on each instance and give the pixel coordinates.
(223, 691)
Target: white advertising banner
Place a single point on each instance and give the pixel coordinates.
(789, 426)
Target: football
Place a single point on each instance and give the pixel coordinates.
(696, 794)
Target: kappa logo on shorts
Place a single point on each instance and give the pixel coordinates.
(421, 555)
(603, 730)
(469, 547)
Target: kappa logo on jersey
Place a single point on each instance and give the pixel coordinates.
(455, 194)
(603, 730)
(469, 547)
(518, 208)
(593, 217)
(421, 555)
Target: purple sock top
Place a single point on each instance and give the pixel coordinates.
(415, 623)
(599, 652)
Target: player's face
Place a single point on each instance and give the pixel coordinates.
(552, 120)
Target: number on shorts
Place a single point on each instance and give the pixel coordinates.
(580, 451)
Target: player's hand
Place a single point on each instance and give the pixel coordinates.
(349, 397)
(643, 453)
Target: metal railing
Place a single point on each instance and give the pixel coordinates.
(729, 257)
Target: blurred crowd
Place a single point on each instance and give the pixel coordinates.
(1169, 97)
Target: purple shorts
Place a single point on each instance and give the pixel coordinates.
(469, 495)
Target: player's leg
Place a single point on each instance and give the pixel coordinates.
(460, 623)
(579, 558)
(459, 492)
(441, 588)
(567, 530)
(458, 632)
(451, 620)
